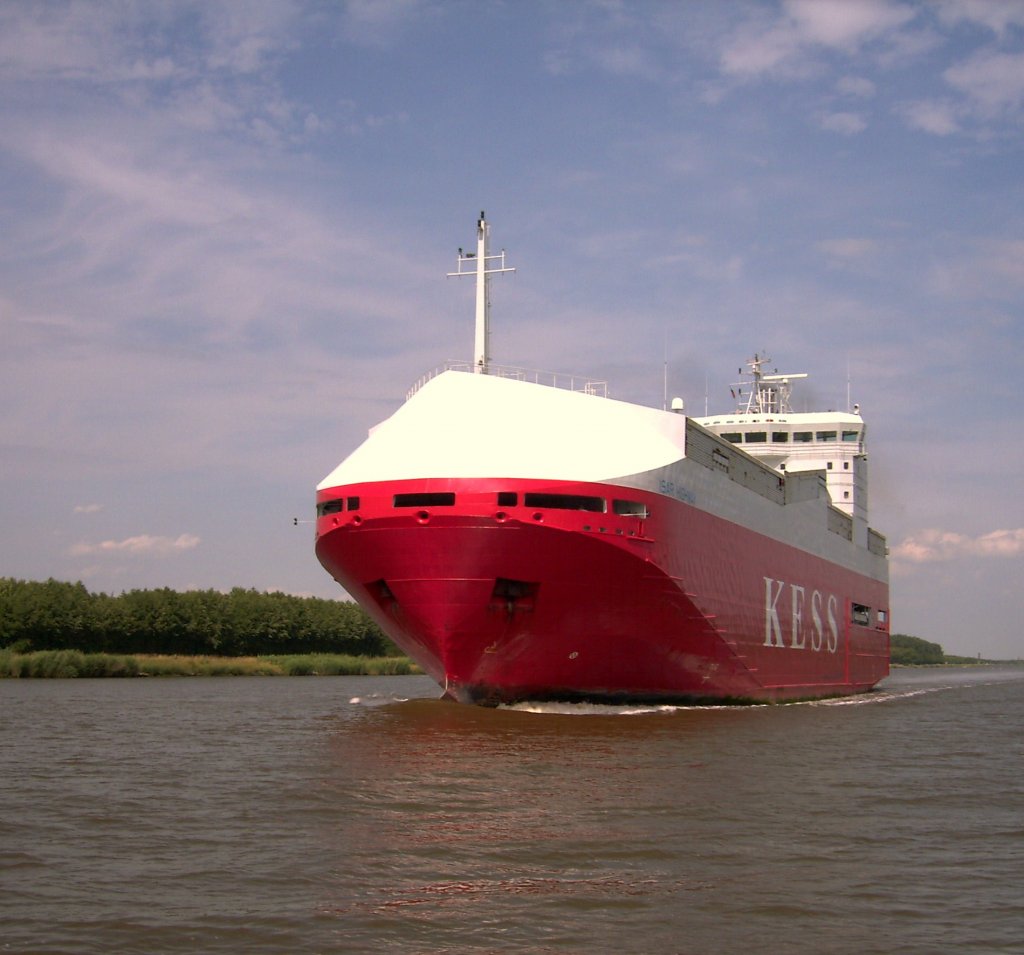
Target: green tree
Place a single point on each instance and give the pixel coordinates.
(914, 651)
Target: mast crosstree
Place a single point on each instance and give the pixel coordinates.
(483, 265)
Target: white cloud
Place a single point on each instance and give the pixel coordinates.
(1005, 259)
(806, 27)
(242, 37)
(627, 61)
(994, 81)
(106, 43)
(997, 15)
(88, 508)
(144, 545)
(79, 42)
(933, 545)
(985, 268)
(849, 124)
(847, 251)
(378, 22)
(845, 24)
(856, 86)
(931, 116)
(755, 50)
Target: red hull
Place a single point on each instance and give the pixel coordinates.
(504, 602)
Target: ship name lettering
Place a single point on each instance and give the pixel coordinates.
(677, 491)
(797, 641)
(823, 631)
(772, 627)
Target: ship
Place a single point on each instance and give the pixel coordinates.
(524, 536)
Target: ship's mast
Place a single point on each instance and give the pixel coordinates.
(481, 264)
(770, 393)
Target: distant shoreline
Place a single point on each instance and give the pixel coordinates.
(957, 662)
(69, 664)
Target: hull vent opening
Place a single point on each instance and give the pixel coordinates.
(513, 596)
(381, 592)
(630, 508)
(566, 502)
(429, 499)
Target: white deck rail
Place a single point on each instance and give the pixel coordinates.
(580, 383)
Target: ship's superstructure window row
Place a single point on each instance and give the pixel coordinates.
(787, 437)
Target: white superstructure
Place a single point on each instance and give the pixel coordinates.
(765, 426)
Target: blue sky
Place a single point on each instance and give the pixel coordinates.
(226, 228)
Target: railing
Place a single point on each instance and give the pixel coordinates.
(584, 385)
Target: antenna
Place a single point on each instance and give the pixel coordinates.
(480, 263)
(664, 372)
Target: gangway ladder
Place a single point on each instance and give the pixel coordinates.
(483, 265)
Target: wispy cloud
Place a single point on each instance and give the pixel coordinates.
(88, 508)
(377, 23)
(847, 123)
(938, 117)
(848, 251)
(787, 44)
(993, 81)
(143, 545)
(990, 268)
(858, 86)
(930, 546)
(997, 15)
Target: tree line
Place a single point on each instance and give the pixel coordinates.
(913, 651)
(55, 615)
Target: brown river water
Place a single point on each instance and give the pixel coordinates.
(336, 814)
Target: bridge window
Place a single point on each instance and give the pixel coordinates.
(851, 435)
(802, 437)
(826, 435)
(780, 437)
(756, 437)
(733, 437)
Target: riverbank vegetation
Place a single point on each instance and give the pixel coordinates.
(75, 663)
(53, 615)
(913, 651)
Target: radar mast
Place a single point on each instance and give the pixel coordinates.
(769, 394)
